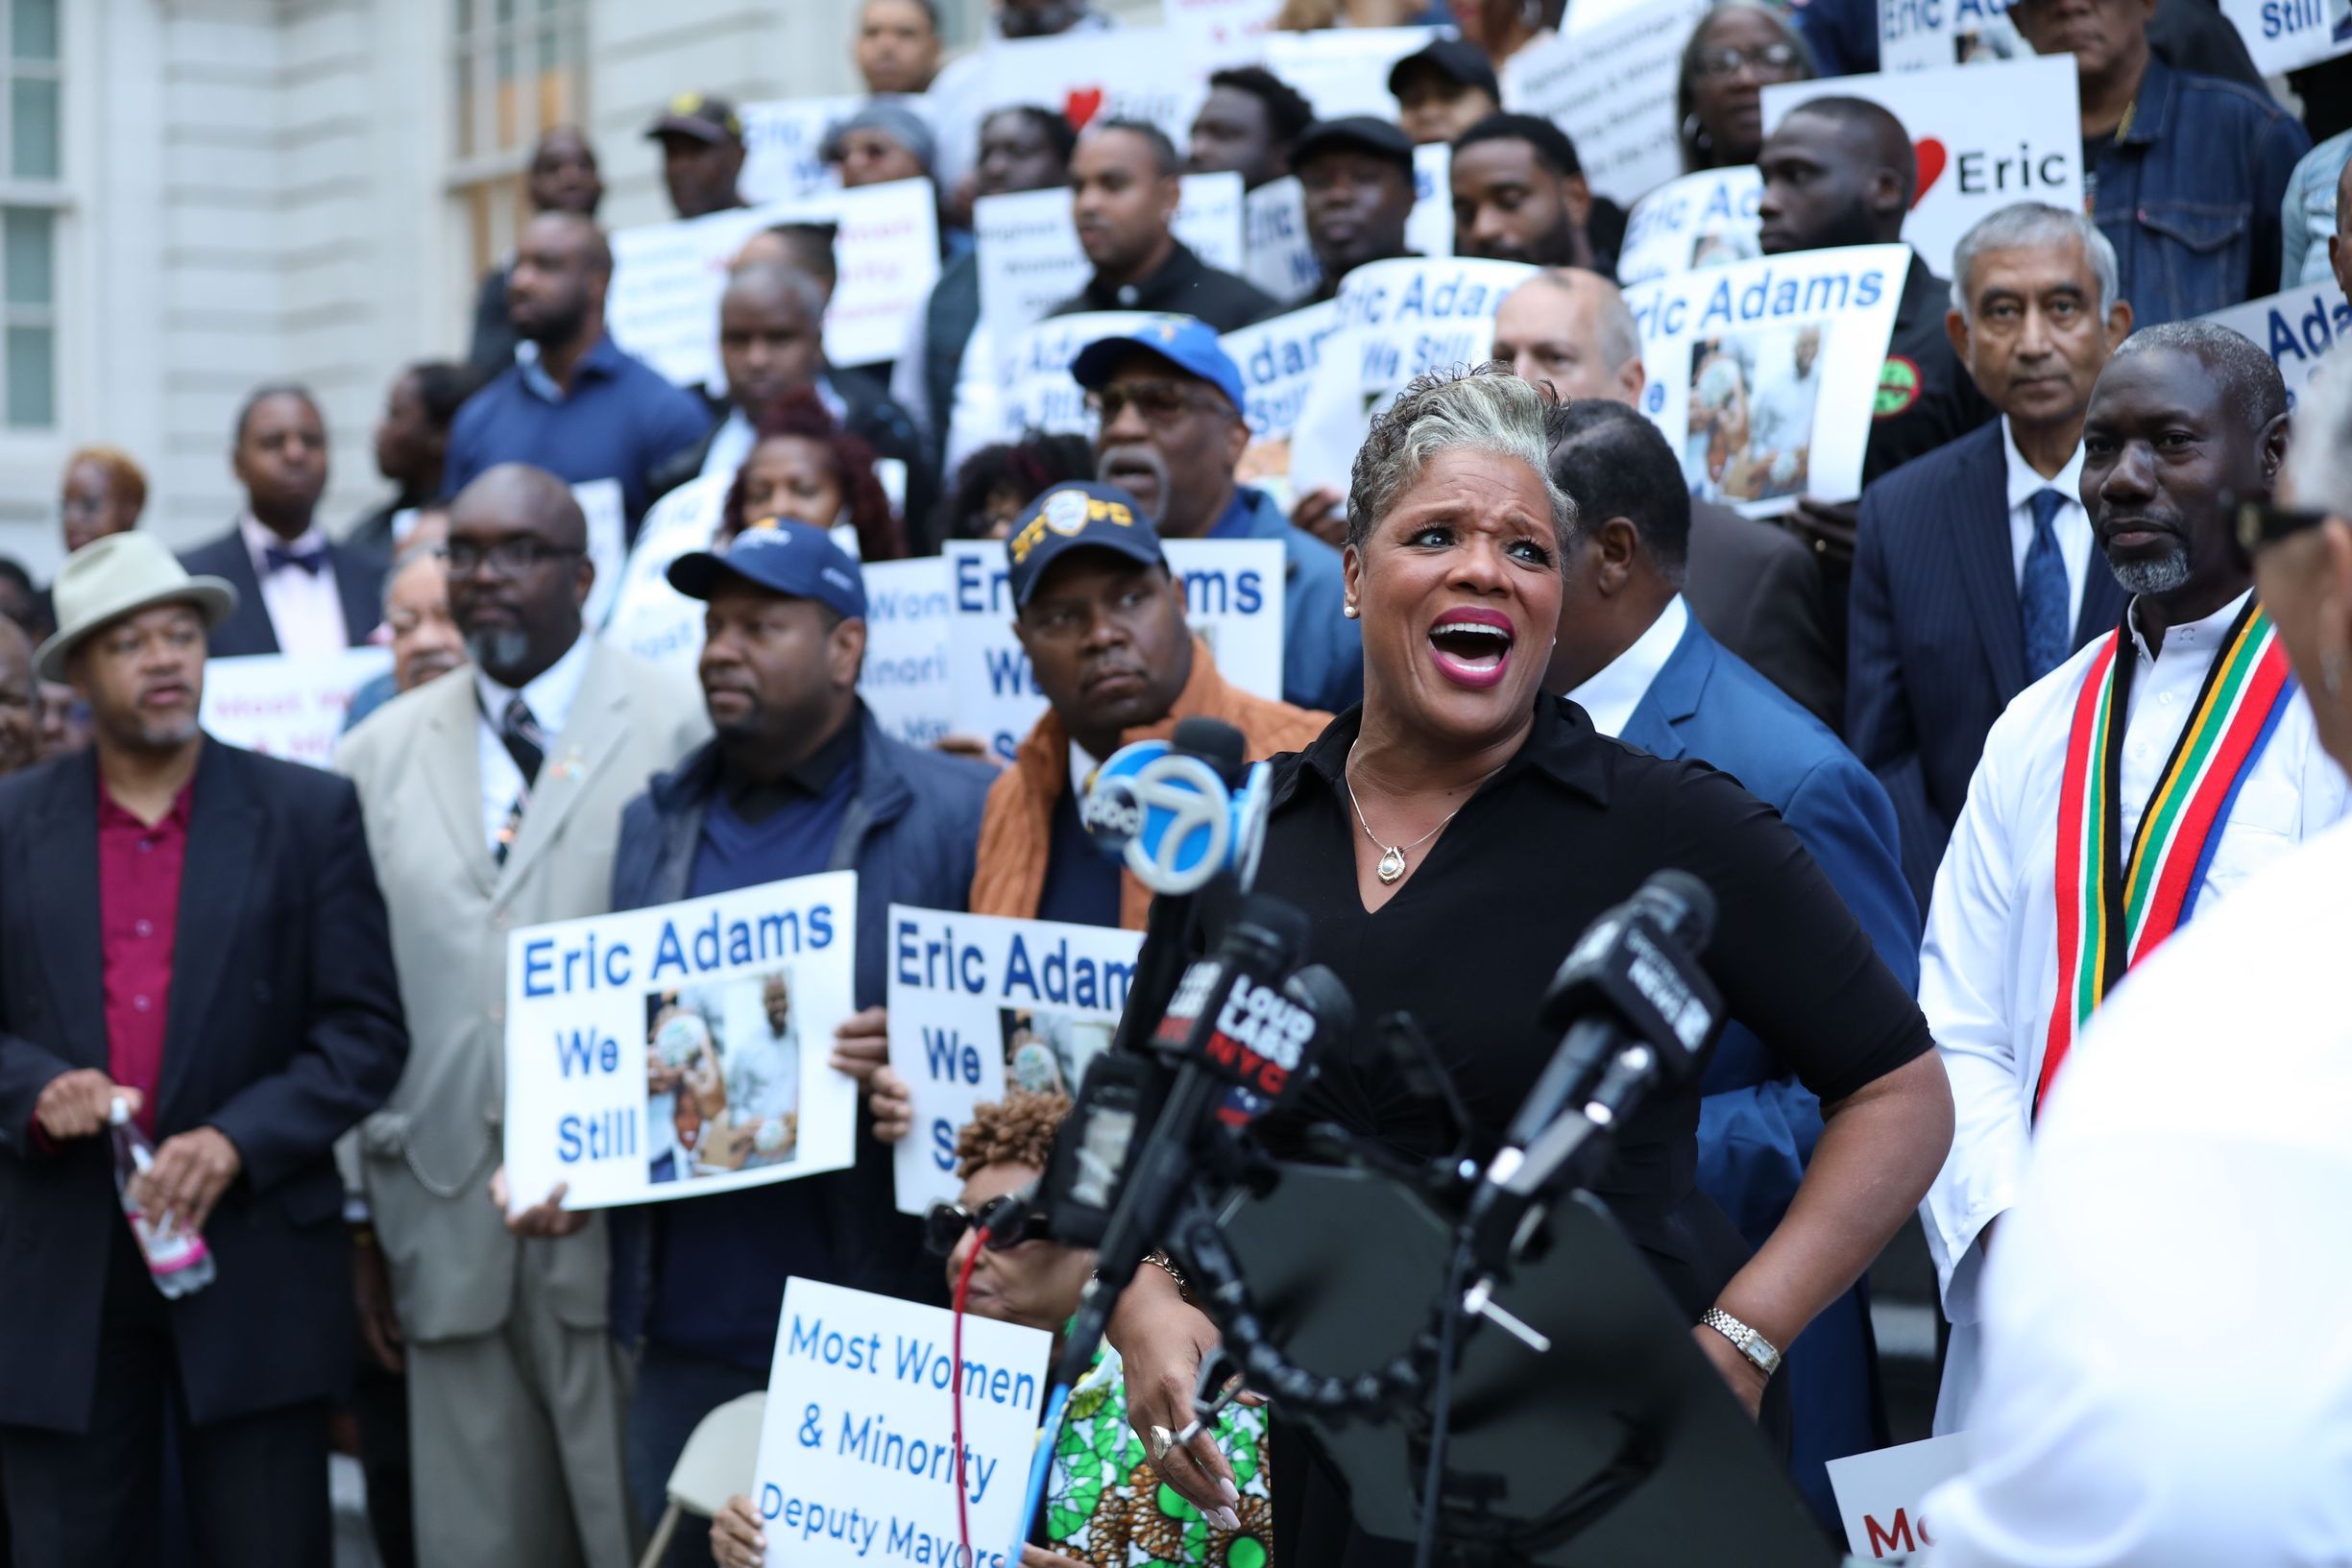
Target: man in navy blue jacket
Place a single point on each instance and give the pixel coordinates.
(800, 779)
(1633, 656)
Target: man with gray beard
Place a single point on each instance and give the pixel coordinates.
(2143, 778)
(493, 799)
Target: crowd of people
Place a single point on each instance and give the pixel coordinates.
(1956, 756)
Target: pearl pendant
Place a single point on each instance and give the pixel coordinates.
(1392, 864)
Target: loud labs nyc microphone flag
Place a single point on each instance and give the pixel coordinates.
(980, 1006)
(681, 1050)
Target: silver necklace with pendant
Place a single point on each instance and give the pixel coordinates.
(1392, 866)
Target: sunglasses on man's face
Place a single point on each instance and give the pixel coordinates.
(2258, 519)
(1006, 1220)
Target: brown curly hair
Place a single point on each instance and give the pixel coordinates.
(1017, 1131)
(800, 413)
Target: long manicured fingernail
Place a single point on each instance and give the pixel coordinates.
(1232, 1493)
(1226, 1519)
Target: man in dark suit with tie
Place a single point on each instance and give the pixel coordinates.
(1974, 574)
(194, 934)
(296, 593)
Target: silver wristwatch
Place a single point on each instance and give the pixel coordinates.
(1744, 1339)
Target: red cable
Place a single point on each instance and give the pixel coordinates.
(963, 1285)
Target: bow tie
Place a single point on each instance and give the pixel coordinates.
(277, 558)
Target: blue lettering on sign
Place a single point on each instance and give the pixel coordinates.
(718, 943)
(599, 1135)
(2280, 17)
(1772, 295)
(581, 1051)
(950, 1057)
(943, 1142)
(809, 1338)
(1009, 674)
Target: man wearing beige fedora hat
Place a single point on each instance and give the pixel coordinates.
(194, 934)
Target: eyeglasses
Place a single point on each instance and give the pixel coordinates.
(1007, 1221)
(507, 558)
(2261, 521)
(1160, 402)
(1772, 59)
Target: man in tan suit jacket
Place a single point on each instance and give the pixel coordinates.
(493, 797)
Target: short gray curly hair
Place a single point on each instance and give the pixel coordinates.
(1478, 408)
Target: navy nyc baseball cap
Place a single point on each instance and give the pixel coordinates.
(1190, 346)
(782, 557)
(1076, 516)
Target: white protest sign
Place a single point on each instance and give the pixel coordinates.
(978, 1005)
(680, 1049)
(1233, 597)
(1275, 254)
(905, 679)
(1970, 164)
(1220, 31)
(1925, 34)
(666, 277)
(608, 543)
(2287, 34)
(1345, 70)
(1610, 84)
(2296, 328)
(1032, 386)
(1030, 258)
(781, 142)
(1763, 375)
(1879, 1494)
(1429, 228)
(1395, 320)
(1701, 220)
(857, 1449)
(286, 707)
(1151, 74)
(1277, 359)
(650, 620)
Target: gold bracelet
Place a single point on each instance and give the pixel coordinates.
(1162, 1262)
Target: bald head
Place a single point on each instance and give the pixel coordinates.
(518, 571)
(522, 499)
(1571, 328)
(1839, 171)
(2248, 378)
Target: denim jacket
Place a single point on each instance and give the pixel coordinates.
(2190, 194)
(2309, 219)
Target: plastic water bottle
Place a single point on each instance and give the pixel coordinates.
(176, 1257)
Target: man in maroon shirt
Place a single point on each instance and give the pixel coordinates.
(195, 931)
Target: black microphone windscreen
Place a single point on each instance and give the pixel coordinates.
(1275, 921)
(1215, 741)
(1687, 904)
(1322, 993)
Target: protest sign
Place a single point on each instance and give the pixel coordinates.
(650, 620)
(859, 1446)
(1233, 597)
(2296, 328)
(680, 1049)
(905, 679)
(781, 142)
(1879, 1493)
(1925, 34)
(662, 305)
(979, 1005)
(1429, 228)
(1970, 164)
(286, 707)
(1345, 70)
(1151, 74)
(1701, 220)
(1275, 254)
(1610, 84)
(1395, 318)
(2287, 34)
(1763, 375)
(1032, 388)
(1030, 258)
(1220, 31)
(1277, 359)
(608, 543)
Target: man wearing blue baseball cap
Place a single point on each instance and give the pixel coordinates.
(798, 779)
(1170, 400)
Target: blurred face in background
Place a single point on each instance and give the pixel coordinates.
(1120, 201)
(872, 156)
(64, 721)
(1015, 154)
(1233, 133)
(1738, 53)
(791, 476)
(898, 50)
(1432, 107)
(94, 505)
(564, 176)
(1036, 18)
(20, 703)
(281, 458)
(770, 342)
(426, 643)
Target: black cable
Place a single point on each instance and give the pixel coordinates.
(1450, 1319)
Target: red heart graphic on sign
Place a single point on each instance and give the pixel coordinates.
(1081, 105)
(1932, 157)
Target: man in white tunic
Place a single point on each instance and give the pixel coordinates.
(2144, 778)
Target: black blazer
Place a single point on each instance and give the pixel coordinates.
(1936, 637)
(359, 581)
(285, 1029)
(1758, 590)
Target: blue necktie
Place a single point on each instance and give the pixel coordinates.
(2047, 606)
(277, 558)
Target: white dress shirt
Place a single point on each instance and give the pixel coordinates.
(1611, 693)
(550, 698)
(2168, 1362)
(2072, 525)
(1989, 968)
(305, 607)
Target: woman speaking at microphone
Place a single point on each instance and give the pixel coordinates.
(1448, 842)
